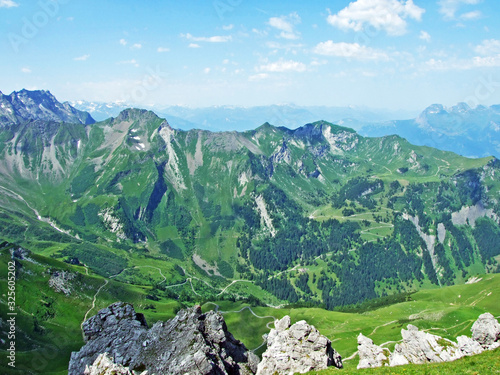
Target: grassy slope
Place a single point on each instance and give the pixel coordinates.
(486, 363)
(448, 312)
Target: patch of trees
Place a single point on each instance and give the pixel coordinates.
(358, 278)
(169, 248)
(487, 236)
(102, 261)
(461, 249)
(470, 189)
(280, 287)
(302, 283)
(358, 189)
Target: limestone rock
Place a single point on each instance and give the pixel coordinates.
(486, 331)
(370, 355)
(103, 365)
(469, 346)
(421, 347)
(191, 343)
(297, 348)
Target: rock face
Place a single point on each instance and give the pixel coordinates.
(370, 355)
(420, 347)
(27, 105)
(297, 348)
(191, 343)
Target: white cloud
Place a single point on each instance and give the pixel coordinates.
(26, 70)
(228, 27)
(194, 45)
(487, 62)
(488, 47)
(129, 62)
(349, 50)
(123, 42)
(82, 58)
(163, 49)
(259, 32)
(136, 46)
(449, 8)
(489, 50)
(388, 15)
(282, 66)
(8, 4)
(206, 70)
(471, 15)
(258, 77)
(286, 24)
(210, 39)
(424, 35)
(316, 62)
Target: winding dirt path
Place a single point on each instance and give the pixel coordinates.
(252, 312)
(106, 281)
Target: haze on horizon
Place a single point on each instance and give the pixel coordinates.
(393, 54)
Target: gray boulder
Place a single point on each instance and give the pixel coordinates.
(297, 348)
(371, 355)
(486, 331)
(191, 343)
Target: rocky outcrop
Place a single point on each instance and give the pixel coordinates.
(371, 355)
(191, 343)
(420, 347)
(297, 348)
(60, 281)
(486, 331)
(103, 365)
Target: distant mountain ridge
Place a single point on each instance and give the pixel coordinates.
(229, 118)
(471, 132)
(28, 105)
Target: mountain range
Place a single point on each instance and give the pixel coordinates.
(316, 216)
(38, 105)
(472, 132)
(252, 204)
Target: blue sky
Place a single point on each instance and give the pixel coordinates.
(394, 54)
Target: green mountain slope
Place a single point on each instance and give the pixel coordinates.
(316, 215)
(53, 298)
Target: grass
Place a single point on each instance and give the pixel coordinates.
(447, 311)
(483, 364)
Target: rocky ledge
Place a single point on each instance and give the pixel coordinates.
(420, 347)
(118, 339)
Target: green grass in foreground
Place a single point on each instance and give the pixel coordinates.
(482, 364)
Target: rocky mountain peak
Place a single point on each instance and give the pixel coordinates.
(28, 105)
(190, 343)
